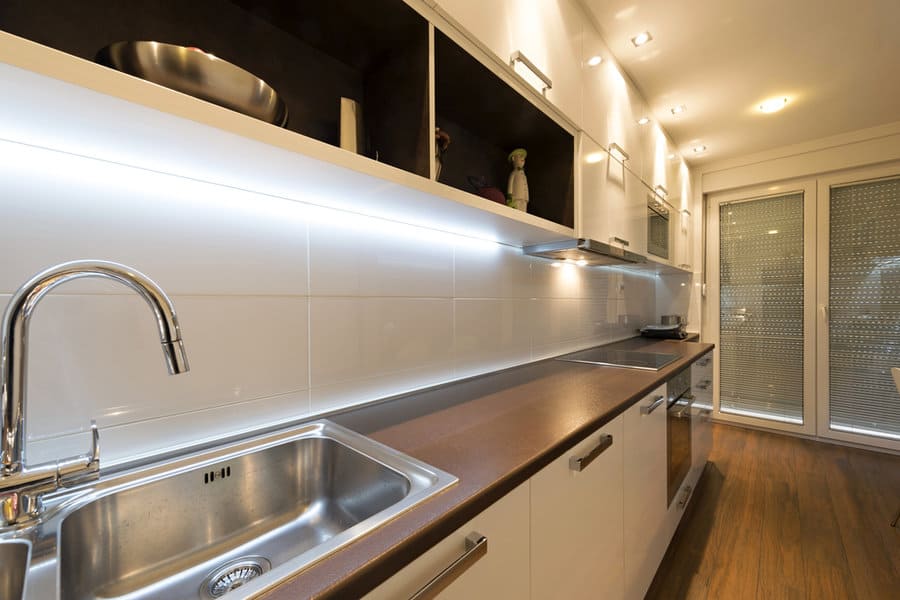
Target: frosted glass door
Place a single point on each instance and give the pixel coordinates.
(863, 308)
(761, 308)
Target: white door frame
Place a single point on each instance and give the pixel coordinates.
(713, 201)
(825, 183)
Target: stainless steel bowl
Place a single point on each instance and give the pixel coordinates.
(199, 74)
(672, 319)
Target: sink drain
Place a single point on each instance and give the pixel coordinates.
(233, 575)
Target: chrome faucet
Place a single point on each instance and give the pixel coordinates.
(21, 485)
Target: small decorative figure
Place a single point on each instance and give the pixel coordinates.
(441, 143)
(517, 188)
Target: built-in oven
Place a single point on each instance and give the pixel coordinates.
(678, 430)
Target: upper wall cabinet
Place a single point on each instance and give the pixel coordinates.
(547, 33)
(374, 71)
(612, 106)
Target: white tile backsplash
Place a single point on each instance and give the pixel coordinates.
(287, 311)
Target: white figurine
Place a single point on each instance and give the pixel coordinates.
(517, 187)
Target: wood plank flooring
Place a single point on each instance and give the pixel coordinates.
(782, 517)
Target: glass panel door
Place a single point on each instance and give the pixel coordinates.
(761, 308)
(861, 311)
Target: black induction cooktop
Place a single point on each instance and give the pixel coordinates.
(649, 361)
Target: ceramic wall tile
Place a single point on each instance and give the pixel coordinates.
(359, 339)
(491, 334)
(360, 256)
(492, 271)
(130, 441)
(557, 327)
(560, 281)
(98, 357)
(190, 237)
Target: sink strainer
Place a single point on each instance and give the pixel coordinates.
(233, 575)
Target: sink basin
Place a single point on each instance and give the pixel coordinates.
(14, 557)
(234, 520)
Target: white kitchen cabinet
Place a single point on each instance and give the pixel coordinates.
(502, 572)
(613, 200)
(612, 106)
(701, 429)
(547, 32)
(646, 504)
(576, 521)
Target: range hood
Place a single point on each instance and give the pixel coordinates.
(593, 252)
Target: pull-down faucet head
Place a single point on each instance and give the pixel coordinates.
(14, 340)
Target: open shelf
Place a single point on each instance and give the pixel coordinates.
(487, 119)
(311, 53)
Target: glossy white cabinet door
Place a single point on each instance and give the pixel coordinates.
(635, 214)
(501, 573)
(602, 197)
(576, 523)
(646, 505)
(547, 32)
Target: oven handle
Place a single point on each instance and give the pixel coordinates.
(686, 409)
(579, 463)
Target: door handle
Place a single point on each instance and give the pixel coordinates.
(476, 547)
(657, 402)
(580, 463)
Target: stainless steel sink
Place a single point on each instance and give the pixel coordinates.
(14, 557)
(232, 520)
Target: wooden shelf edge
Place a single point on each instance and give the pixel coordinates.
(67, 104)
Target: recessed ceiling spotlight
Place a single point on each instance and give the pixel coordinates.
(699, 149)
(594, 61)
(773, 104)
(643, 120)
(677, 110)
(671, 156)
(641, 39)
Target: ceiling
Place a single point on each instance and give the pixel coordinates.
(838, 62)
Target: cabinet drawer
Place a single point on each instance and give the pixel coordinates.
(502, 572)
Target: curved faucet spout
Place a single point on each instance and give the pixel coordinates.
(13, 361)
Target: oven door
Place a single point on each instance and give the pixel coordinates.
(678, 439)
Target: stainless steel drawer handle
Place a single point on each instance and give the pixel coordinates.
(657, 402)
(517, 56)
(618, 240)
(580, 463)
(476, 547)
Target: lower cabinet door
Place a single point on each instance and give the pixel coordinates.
(576, 521)
(458, 567)
(646, 500)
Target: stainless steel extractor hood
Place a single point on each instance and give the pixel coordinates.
(593, 252)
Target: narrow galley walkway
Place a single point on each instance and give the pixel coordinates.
(781, 517)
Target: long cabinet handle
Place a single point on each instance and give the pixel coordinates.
(657, 402)
(580, 463)
(476, 547)
(517, 56)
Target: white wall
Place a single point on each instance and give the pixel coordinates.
(287, 310)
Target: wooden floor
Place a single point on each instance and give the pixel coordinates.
(780, 517)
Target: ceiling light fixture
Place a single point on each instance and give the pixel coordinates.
(641, 39)
(643, 120)
(671, 156)
(594, 61)
(617, 152)
(773, 104)
(699, 149)
(677, 110)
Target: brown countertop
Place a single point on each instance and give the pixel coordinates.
(493, 432)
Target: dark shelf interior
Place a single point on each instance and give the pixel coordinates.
(487, 119)
(311, 53)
